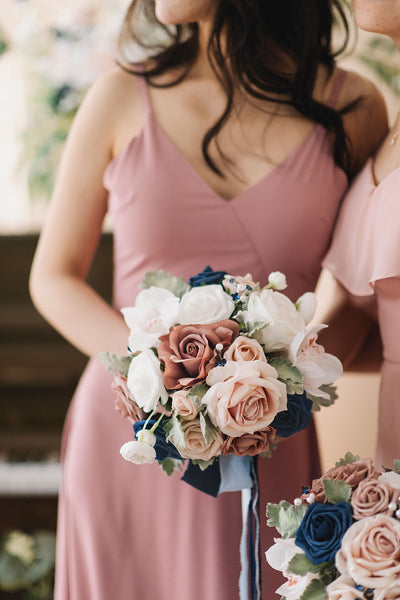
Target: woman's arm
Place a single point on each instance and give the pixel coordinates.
(73, 227)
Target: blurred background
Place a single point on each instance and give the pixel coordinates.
(49, 54)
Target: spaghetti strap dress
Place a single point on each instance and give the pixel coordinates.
(131, 532)
(365, 258)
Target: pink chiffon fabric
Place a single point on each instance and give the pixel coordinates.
(130, 532)
(365, 258)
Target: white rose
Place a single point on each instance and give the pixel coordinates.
(307, 305)
(155, 311)
(138, 453)
(318, 367)
(277, 280)
(145, 381)
(203, 305)
(280, 314)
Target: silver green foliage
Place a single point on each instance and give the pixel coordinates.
(396, 464)
(203, 464)
(318, 401)
(174, 432)
(169, 465)
(348, 458)
(176, 285)
(289, 374)
(336, 490)
(114, 363)
(285, 517)
(208, 430)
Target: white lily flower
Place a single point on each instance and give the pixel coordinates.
(318, 367)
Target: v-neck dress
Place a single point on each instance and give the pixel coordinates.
(365, 253)
(131, 532)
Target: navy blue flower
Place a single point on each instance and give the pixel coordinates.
(163, 448)
(207, 277)
(322, 529)
(297, 416)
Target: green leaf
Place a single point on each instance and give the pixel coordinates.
(328, 573)
(114, 363)
(197, 392)
(316, 590)
(318, 401)
(285, 517)
(396, 464)
(174, 432)
(176, 285)
(289, 374)
(169, 465)
(301, 565)
(250, 329)
(348, 458)
(208, 430)
(203, 464)
(336, 491)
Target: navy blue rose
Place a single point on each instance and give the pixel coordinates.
(322, 529)
(297, 416)
(207, 277)
(163, 448)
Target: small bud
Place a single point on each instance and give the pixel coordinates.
(277, 280)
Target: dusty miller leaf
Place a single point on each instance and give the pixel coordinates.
(169, 465)
(300, 564)
(114, 363)
(348, 458)
(197, 392)
(208, 430)
(285, 517)
(174, 432)
(318, 401)
(291, 376)
(203, 464)
(316, 590)
(336, 491)
(176, 285)
(396, 464)
(249, 329)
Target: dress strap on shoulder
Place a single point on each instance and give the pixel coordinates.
(337, 85)
(144, 93)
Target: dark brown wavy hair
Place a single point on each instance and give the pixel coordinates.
(250, 32)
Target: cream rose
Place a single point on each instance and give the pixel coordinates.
(343, 588)
(203, 305)
(280, 314)
(245, 349)
(138, 453)
(145, 381)
(370, 552)
(196, 446)
(390, 593)
(244, 397)
(184, 406)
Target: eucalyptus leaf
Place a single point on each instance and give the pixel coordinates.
(289, 374)
(174, 432)
(336, 491)
(176, 285)
(396, 464)
(208, 430)
(348, 458)
(114, 363)
(318, 401)
(316, 590)
(203, 464)
(169, 465)
(300, 564)
(285, 517)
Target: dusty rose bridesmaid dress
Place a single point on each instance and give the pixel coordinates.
(132, 533)
(365, 258)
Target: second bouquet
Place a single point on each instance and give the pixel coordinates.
(218, 367)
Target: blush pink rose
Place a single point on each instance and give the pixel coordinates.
(184, 406)
(244, 397)
(245, 348)
(372, 497)
(250, 444)
(196, 446)
(352, 473)
(343, 588)
(370, 552)
(123, 403)
(188, 351)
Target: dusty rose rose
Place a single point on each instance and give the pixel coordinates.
(372, 497)
(343, 588)
(244, 397)
(195, 444)
(352, 473)
(250, 443)
(370, 552)
(245, 348)
(188, 351)
(123, 403)
(184, 406)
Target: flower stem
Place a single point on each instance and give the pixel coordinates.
(156, 424)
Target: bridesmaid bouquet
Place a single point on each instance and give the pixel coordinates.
(217, 367)
(341, 537)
